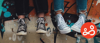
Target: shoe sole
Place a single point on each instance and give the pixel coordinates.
(75, 29)
(21, 33)
(65, 31)
(41, 31)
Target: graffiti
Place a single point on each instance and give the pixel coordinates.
(9, 38)
(98, 1)
(48, 31)
(20, 38)
(14, 37)
(22, 41)
(78, 39)
(67, 6)
(90, 7)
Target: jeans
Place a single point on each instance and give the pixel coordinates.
(41, 6)
(22, 7)
(58, 5)
(81, 5)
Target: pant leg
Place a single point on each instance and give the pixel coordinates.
(41, 6)
(58, 5)
(22, 7)
(81, 5)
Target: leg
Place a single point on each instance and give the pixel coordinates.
(82, 11)
(21, 16)
(41, 15)
(21, 10)
(41, 7)
(81, 5)
(59, 8)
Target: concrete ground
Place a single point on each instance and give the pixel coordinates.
(32, 37)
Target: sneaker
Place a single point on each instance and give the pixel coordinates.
(77, 26)
(22, 29)
(41, 26)
(62, 26)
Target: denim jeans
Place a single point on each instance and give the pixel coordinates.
(81, 5)
(58, 5)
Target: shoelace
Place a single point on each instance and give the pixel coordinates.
(60, 19)
(82, 21)
(22, 21)
(21, 24)
(40, 20)
(60, 22)
(21, 28)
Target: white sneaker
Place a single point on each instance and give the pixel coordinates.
(77, 26)
(62, 26)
